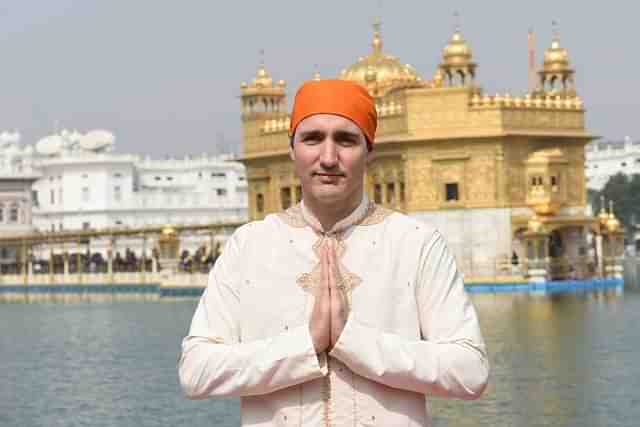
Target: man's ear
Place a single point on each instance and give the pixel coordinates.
(371, 155)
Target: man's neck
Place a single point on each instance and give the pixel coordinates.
(329, 215)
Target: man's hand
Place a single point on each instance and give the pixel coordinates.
(337, 294)
(329, 313)
(320, 323)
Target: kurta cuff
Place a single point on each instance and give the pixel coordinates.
(297, 344)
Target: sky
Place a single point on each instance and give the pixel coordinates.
(164, 76)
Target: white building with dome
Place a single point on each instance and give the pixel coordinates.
(84, 184)
(73, 181)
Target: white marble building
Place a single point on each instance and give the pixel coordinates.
(604, 159)
(72, 181)
(16, 178)
(84, 184)
(17, 173)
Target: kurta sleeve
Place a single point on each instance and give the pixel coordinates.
(214, 362)
(449, 361)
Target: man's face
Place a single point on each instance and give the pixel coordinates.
(330, 155)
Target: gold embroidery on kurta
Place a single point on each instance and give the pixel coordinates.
(293, 217)
(375, 214)
(347, 281)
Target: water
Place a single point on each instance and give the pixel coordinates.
(569, 360)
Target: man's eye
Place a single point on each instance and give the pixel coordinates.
(347, 143)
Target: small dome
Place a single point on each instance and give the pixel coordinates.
(458, 50)
(438, 78)
(263, 84)
(379, 68)
(555, 56)
(262, 79)
(612, 223)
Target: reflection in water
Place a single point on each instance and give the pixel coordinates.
(561, 360)
(553, 361)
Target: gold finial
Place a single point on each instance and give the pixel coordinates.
(456, 21)
(377, 36)
(602, 216)
(555, 37)
(261, 67)
(613, 223)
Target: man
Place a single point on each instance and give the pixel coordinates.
(336, 312)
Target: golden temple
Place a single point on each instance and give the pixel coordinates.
(501, 176)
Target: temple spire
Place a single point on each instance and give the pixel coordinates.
(377, 36)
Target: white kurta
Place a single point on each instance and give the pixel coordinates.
(411, 331)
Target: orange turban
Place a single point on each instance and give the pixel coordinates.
(340, 97)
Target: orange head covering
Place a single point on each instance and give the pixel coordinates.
(340, 97)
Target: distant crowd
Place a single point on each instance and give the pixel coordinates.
(200, 261)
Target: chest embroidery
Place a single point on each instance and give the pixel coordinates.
(347, 281)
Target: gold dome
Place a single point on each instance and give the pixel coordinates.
(379, 68)
(457, 51)
(262, 79)
(612, 223)
(603, 217)
(438, 78)
(555, 56)
(263, 84)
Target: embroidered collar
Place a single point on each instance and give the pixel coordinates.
(367, 213)
(353, 218)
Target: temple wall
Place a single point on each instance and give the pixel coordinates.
(479, 238)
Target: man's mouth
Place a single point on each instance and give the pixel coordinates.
(328, 174)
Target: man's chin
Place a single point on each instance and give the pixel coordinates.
(329, 194)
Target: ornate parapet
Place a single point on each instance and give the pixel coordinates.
(533, 112)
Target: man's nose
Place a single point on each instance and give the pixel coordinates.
(329, 154)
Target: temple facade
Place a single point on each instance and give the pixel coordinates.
(502, 176)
